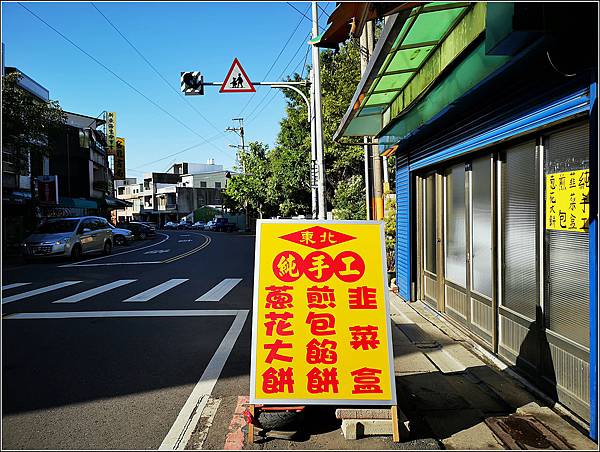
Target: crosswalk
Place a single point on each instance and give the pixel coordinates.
(215, 294)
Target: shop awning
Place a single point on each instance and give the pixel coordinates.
(114, 203)
(79, 203)
(395, 78)
(349, 18)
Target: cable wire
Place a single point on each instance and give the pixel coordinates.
(273, 65)
(114, 73)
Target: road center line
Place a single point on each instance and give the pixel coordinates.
(184, 425)
(34, 292)
(84, 264)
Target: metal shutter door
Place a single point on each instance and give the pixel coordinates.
(519, 191)
(567, 253)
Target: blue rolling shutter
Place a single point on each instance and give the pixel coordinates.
(403, 226)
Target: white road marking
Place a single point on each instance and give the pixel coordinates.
(184, 241)
(157, 251)
(209, 415)
(188, 417)
(12, 286)
(32, 293)
(116, 263)
(157, 290)
(220, 290)
(84, 264)
(109, 314)
(98, 290)
(184, 235)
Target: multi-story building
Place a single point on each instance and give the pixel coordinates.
(172, 195)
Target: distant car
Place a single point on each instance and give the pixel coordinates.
(122, 236)
(170, 225)
(209, 226)
(199, 225)
(223, 225)
(184, 225)
(71, 237)
(139, 230)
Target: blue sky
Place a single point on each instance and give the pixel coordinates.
(174, 37)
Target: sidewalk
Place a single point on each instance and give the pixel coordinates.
(448, 382)
(447, 386)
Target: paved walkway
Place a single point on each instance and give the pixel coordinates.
(449, 385)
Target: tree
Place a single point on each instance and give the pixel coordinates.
(26, 123)
(349, 199)
(251, 188)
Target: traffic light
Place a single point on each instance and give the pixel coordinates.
(192, 83)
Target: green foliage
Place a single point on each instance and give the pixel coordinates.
(26, 122)
(205, 214)
(349, 199)
(284, 172)
(390, 233)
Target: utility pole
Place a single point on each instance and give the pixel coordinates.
(318, 118)
(313, 154)
(240, 131)
(364, 61)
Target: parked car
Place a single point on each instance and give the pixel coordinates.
(223, 225)
(152, 228)
(199, 225)
(121, 236)
(71, 237)
(140, 231)
(170, 225)
(184, 225)
(209, 226)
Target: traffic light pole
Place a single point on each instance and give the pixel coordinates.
(313, 136)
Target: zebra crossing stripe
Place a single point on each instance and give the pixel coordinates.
(220, 290)
(92, 292)
(155, 291)
(12, 286)
(32, 293)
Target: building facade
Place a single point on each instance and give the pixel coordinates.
(490, 110)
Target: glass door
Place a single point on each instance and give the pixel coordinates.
(430, 241)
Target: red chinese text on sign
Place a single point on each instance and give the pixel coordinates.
(317, 237)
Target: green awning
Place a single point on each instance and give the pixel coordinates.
(79, 203)
(405, 65)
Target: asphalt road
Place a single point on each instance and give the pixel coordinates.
(115, 352)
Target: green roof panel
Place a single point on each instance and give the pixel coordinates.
(395, 81)
(431, 26)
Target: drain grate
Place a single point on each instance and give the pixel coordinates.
(525, 433)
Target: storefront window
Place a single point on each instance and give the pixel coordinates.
(430, 224)
(481, 195)
(455, 225)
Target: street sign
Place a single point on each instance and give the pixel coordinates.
(119, 159)
(237, 81)
(111, 132)
(321, 330)
(47, 189)
(192, 83)
(568, 201)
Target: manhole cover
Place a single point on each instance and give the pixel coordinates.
(524, 433)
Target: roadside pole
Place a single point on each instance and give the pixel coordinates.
(318, 117)
(313, 153)
(241, 154)
(364, 60)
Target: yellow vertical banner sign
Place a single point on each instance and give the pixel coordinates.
(111, 132)
(321, 327)
(567, 201)
(119, 165)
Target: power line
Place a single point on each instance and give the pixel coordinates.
(176, 153)
(300, 12)
(273, 64)
(177, 93)
(113, 73)
(280, 76)
(323, 10)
